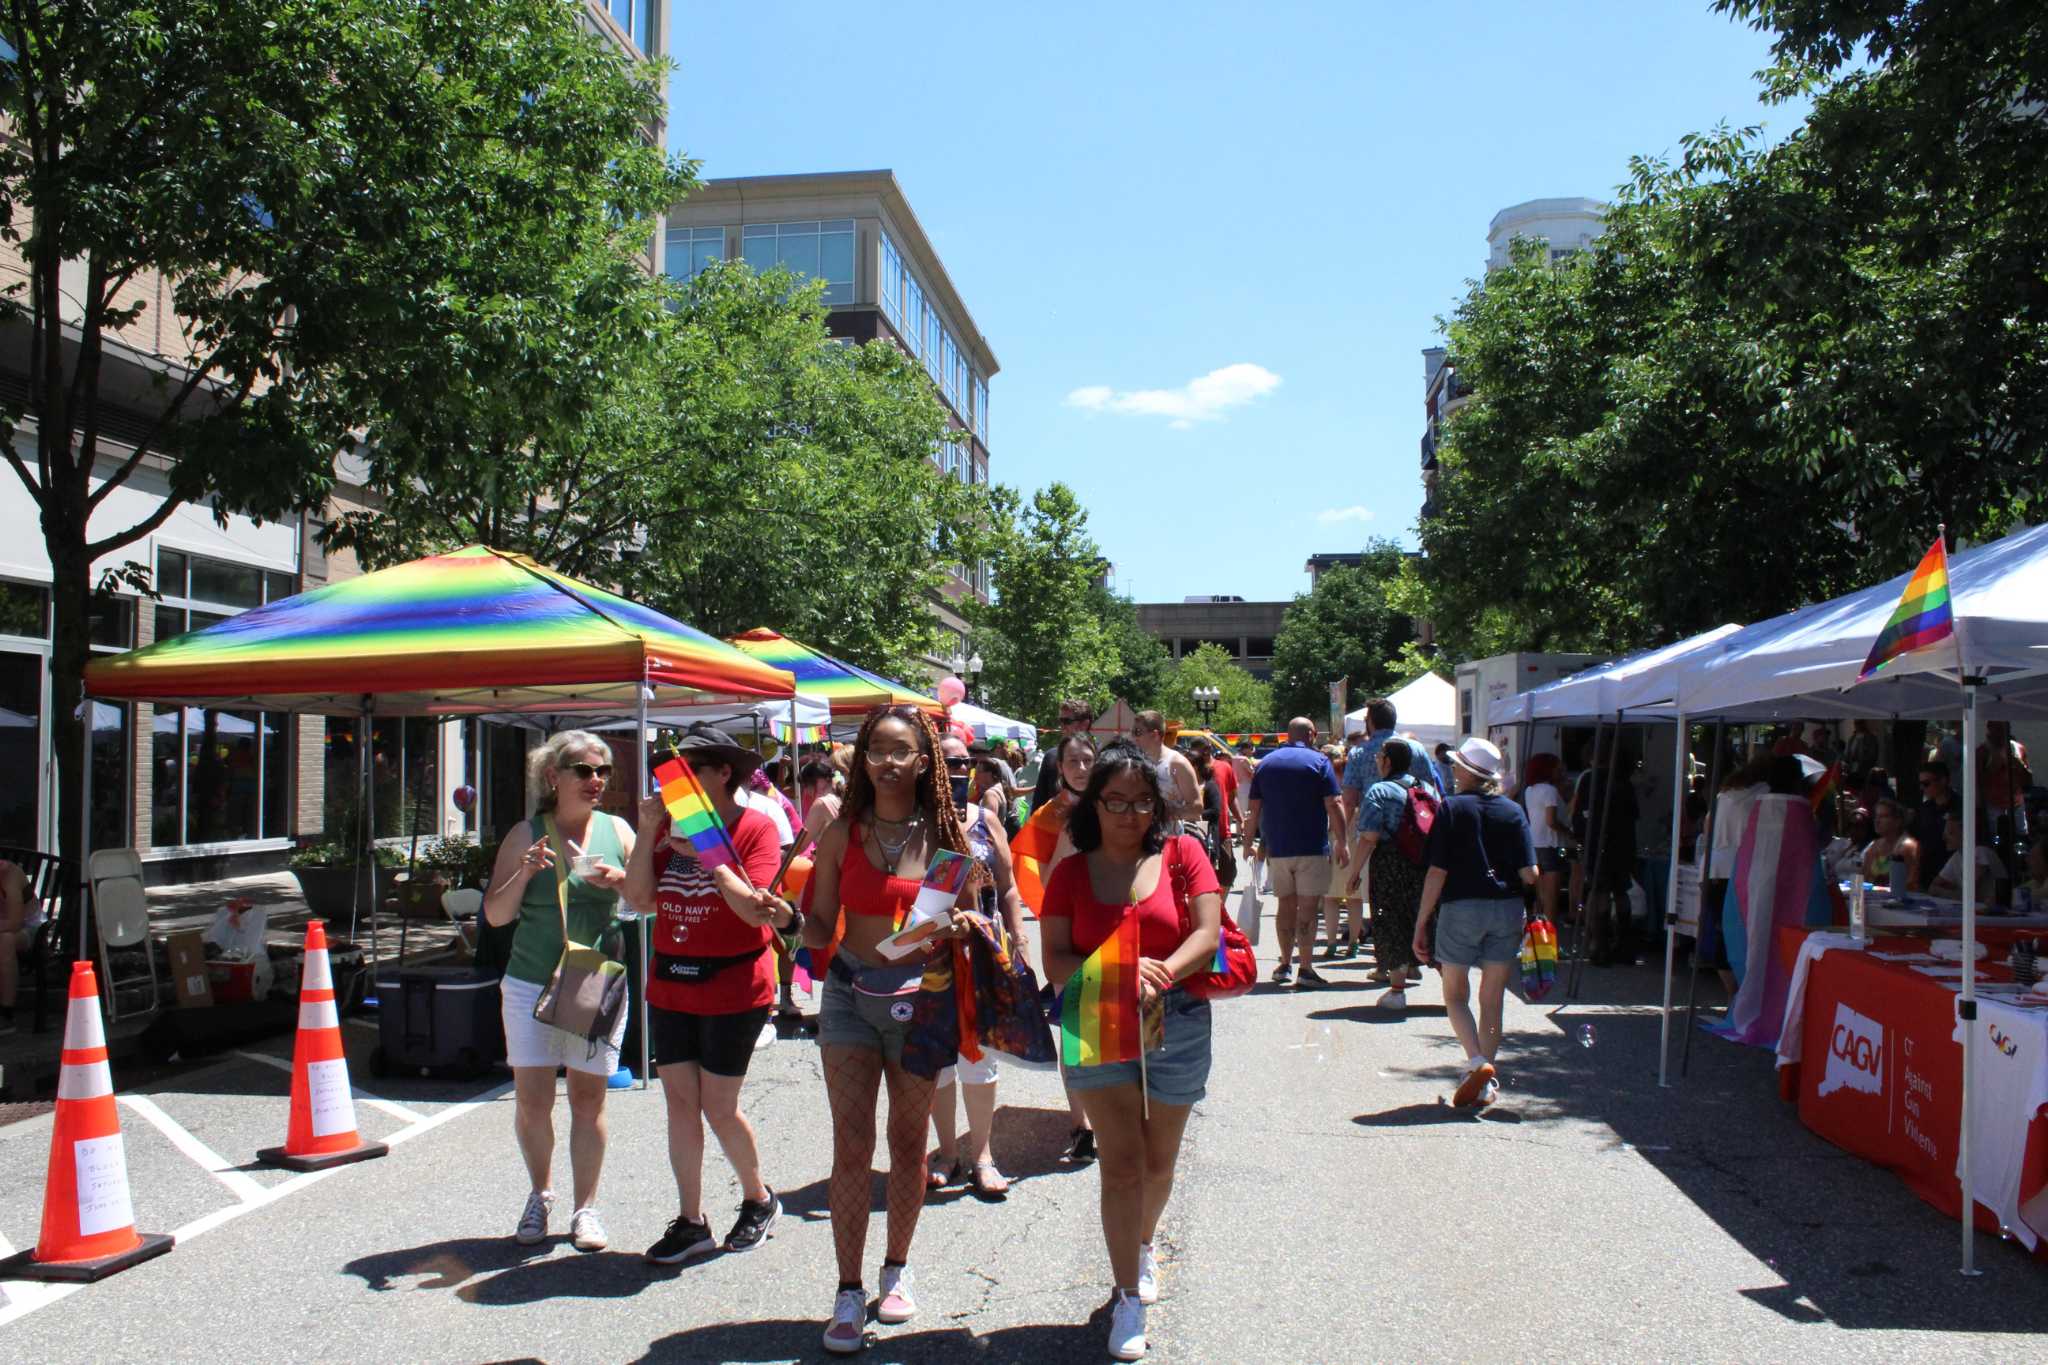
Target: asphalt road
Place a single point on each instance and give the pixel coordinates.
(1330, 1206)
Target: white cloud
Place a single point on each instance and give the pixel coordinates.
(1203, 399)
(1330, 516)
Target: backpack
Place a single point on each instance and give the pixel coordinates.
(1418, 817)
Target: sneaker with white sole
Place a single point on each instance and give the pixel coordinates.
(586, 1230)
(754, 1222)
(1477, 1078)
(684, 1242)
(1127, 1327)
(897, 1304)
(533, 1223)
(1488, 1093)
(847, 1332)
(766, 1037)
(1148, 1274)
(1396, 999)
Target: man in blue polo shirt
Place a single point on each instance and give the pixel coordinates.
(1294, 806)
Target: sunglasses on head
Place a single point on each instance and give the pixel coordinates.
(585, 771)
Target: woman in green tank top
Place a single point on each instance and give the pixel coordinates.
(569, 852)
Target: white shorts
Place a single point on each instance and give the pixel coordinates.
(528, 1042)
(982, 1072)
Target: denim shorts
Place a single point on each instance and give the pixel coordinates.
(1177, 1073)
(847, 1018)
(1474, 933)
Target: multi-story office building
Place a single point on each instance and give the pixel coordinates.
(1244, 630)
(855, 231)
(204, 791)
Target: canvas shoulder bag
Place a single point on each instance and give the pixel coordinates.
(588, 989)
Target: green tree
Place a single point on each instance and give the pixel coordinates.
(1042, 635)
(326, 188)
(1346, 626)
(1144, 666)
(1246, 704)
(728, 461)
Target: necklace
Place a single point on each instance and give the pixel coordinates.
(893, 853)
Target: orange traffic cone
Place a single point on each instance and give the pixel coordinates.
(88, 1224)
(322, 1129)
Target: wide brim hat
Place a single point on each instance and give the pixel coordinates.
(1480, 757)
(702, 741)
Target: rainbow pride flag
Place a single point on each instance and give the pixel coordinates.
(1100, 1021)
(1826, 789)
(1031, 851)
(1924, 615)
(690, 810)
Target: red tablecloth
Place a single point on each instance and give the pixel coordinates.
(1880, 1073)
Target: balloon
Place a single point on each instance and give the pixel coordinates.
(960, 731)
(465, 798)
(951, 691)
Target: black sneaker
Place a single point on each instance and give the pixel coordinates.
(1310, 979)
(755, 1219)
(1282, 974)
(684, 1241)
(1081, 1146)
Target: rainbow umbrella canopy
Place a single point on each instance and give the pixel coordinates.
(850, 690)
(474, 631)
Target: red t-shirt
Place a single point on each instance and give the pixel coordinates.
(692, 920)
(1225, 778)
(1069, 896)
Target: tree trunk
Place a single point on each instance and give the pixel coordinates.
(71, 647)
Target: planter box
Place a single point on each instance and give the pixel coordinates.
(330, 893)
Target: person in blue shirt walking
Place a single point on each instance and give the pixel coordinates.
(1294, 805)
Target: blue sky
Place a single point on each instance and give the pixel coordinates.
(1207, 242)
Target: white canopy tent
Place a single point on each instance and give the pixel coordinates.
(988, 725)
(1627, 684)
(1426, 708)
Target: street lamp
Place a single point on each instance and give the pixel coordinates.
(1206, 701)
(967, 669)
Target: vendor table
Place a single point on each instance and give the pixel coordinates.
(1872, 1052)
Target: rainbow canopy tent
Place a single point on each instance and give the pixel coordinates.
(851, 691)
(472, 632)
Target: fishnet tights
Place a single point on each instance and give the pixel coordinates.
(853, 1077)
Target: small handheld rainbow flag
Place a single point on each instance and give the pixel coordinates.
(690, 810)
(1826, 788)
(1924, 615)
(1100, 1021)
(1539, 958)
(1033, 848)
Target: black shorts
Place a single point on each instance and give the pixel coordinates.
(722, 1044)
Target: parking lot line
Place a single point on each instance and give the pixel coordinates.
(377, 1102)
(244, 1187)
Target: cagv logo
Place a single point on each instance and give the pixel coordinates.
(1855, 1054)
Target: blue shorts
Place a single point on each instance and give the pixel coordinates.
(1476, 933)
(1177, 1073)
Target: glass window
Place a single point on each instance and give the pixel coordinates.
(21, 718)
(913, 315)
(889, 290)
(113, 621)
(230, 584)
(278, 586)
(815, 250)
(110, 775)
(981, 409)
(170, 622)
(170, 573)
(24, 610)
(692, 250)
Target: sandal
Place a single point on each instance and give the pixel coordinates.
(988, 1182)
(940, 1172)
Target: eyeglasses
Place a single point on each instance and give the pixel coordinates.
(893, 758)
(585, 771)
(1116, 805)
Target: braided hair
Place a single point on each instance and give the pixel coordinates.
(933, 795)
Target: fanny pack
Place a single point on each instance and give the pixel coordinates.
(690, 970)
(892, 979)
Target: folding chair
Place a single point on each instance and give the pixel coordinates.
(121, 911)
(46, 930)
(463, 905)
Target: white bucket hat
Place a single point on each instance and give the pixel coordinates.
(1479, 757)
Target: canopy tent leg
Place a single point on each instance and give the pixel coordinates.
(1692, 981)
(1966, 1008)
(1596, 831)
(84, 839)
(366, 840)
(1680, 762)
(1575, 906)
(646, 770)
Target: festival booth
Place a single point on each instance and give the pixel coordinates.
(1426, 708)
(988, 725)
(1899, 1032)
(474, 632)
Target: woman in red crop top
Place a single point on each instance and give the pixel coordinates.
(1126, 864)
(710, 984)
(898, 811)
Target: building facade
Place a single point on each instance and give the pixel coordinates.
(203, 792)
(1245, 630)
(855, 231)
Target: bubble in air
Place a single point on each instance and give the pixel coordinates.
(1588, 1035)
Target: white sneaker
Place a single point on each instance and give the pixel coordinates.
(533, 1223)
(586, 1230)
(1396, 999)
(766, 1038)
(1127, 1327)
(897, 1304)
(847, 1331)
(1148, 1274)
(1488, 1093)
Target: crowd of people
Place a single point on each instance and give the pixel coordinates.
(1423, 856)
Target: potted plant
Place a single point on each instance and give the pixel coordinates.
(326, 870)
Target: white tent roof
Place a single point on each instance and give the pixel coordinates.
(1426, 708)
(1804, 664)
(1631, 683)
(988, 725)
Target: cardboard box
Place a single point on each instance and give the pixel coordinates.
(189, 977)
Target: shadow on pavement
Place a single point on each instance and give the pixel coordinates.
(1373, 1014)
(452, 1264)
(797, 1338)
(1028, 1143)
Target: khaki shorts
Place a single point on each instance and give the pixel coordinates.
(1304, 876)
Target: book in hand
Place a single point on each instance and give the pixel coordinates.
(932, 911)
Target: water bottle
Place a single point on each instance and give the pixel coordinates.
(2023, 899)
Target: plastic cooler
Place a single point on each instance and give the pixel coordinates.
(438, 1019)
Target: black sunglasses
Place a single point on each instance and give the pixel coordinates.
(960, 764)
(585, 771)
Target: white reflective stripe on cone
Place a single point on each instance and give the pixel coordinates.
(318, 1014)
(316, 976)
(88, 1081)
(82, 1028)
